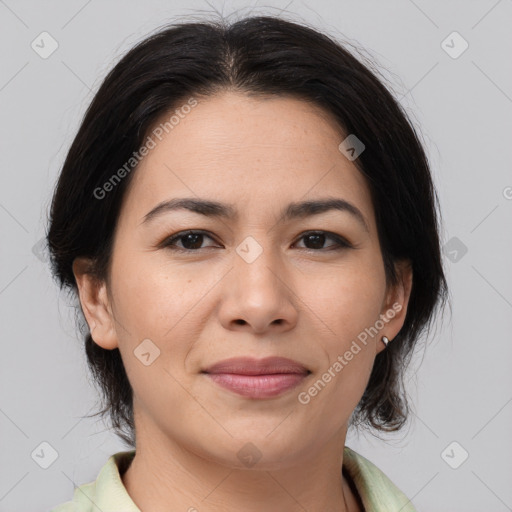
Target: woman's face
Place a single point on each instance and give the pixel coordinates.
(254, 283)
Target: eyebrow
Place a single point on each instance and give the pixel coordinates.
(298, 210)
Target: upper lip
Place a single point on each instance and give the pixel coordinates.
(251, 366)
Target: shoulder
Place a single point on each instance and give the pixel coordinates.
(378, 493)
(106, 493)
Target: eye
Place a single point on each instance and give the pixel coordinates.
(191, 240)
(316, 239)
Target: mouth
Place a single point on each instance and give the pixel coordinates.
(257, 378)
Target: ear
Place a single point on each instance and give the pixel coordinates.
(394, 309)
(95, 305)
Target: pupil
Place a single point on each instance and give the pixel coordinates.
(317, 238)
(194, 238)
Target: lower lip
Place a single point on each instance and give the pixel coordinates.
(258, 386)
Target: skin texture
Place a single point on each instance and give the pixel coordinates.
(299, 300)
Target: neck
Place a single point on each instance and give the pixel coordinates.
(164, 474)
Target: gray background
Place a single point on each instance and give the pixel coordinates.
(462, 387)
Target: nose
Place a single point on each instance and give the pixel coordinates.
(258, 295)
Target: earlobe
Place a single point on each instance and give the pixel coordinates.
(395, 307)
(95, 305)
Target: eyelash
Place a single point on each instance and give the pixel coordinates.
(169, 242)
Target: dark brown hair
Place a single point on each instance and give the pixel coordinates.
(256, 55)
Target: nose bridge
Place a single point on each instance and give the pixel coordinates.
(255, 294)
(256, 262)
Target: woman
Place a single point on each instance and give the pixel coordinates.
(248, 219)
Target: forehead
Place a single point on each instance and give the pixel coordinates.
(247, 150)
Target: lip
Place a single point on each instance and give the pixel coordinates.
(257, 378)
(251, 366)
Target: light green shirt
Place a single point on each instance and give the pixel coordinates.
(108, 494)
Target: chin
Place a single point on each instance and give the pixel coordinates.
(258, 451)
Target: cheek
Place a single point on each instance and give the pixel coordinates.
(164, 304)
(349, 299)
(348, 305)
(152, 297)
(154, 312)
